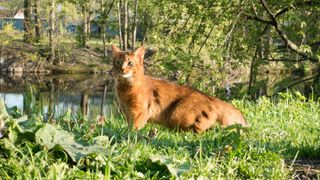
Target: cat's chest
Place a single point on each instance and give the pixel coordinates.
(129, 97)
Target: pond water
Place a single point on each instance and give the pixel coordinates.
(87, 94)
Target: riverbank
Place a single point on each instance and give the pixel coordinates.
(67, 82)
(18, 57)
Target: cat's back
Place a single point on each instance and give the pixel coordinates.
(169, 89)
(183, 102)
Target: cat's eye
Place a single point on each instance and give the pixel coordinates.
(117, 63)
(130, 63)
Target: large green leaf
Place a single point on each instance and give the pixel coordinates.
(170, 164)
(3, 111)
(3, 116)
(52, 137)
(17, 129)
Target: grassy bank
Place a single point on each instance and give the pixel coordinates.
(34, 58)
(281, 130)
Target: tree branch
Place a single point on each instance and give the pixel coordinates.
(283, 11)
(294, 83)
(284, 37)
(258, 19)
(284, 60)
(270, 13)
(183, 27)
(110, 8)
(205, 41)
(201, 26)
(315, 46)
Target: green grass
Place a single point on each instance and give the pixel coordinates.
(281, 129)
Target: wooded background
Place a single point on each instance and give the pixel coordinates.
(204, 43)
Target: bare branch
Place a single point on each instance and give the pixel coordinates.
(284, 37)
(283, 11)
(272, 16)
(110, 8)
(183, 27)
(258, 19)
(205, 41)
(284, 60)
(201, 26)
(294, 83)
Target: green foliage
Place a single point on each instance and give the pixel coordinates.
(279, 130)
(8, 34)
(213, 39)
(52, 138)
(12, 6)
(80, 37)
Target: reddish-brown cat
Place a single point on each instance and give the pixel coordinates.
(146, 99)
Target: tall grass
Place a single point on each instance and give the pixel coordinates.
(281, 129)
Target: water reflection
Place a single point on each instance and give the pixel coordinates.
(58, 93)
(13, 99)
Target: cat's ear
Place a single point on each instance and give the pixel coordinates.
(115, 51)
(140, 53)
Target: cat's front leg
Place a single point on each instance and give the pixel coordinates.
(138, 120)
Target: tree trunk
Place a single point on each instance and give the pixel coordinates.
(84, 104)
(103, 99)
(146, 27)
(51, 32)
(85, 25)
(36, 20)
(50, 112)
(252, 74)
(128, 27)
(120, 24)
(27, 21)
(88, 25)
(104, 21)
(125, 25)
(103, 30)
(1, 50)
(134, 29)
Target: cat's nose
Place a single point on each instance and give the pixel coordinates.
(123, 68)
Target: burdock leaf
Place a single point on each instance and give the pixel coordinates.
(175, 170)
(51, 137)
(3, 110)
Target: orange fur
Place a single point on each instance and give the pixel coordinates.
(146, 99)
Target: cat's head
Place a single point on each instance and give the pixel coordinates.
(127, 65)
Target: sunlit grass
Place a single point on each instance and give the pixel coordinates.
(280, 129)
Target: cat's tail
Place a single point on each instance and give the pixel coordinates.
(228, 115)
